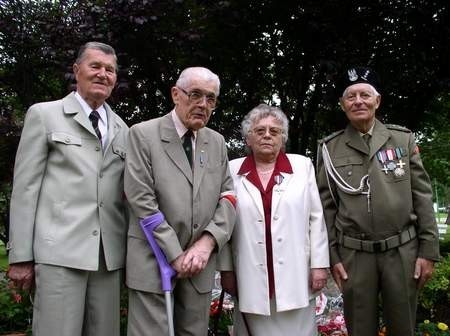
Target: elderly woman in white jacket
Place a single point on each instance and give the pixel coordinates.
(279, 247)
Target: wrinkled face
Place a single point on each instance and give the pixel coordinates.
(265, 137)
(195, 103)
(96, 76)
(359, 103)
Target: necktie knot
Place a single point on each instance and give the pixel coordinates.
(94, 117)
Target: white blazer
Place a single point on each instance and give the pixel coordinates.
(299, 239)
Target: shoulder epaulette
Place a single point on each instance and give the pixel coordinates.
(397, 128)
(331, 136)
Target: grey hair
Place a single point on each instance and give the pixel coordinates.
(105, 48)
(263, 111)
(189, 74)
(374, 91)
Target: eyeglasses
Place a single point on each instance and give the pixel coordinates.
(262, 131)
(196, 96)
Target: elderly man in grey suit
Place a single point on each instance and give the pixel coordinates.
(68, 224)
(191, 191)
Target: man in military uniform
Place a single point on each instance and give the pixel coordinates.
(378, 209)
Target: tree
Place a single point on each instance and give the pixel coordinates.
(288, 53)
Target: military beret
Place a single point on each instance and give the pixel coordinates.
(357, 75)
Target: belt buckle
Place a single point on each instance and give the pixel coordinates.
(377, 246)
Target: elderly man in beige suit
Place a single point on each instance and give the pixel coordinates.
(192, 190)
(68, 224)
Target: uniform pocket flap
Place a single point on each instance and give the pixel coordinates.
(347, 160)
(65, 138)
(119, 151)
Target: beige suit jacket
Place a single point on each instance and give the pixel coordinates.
(158, 177)
(67, 193)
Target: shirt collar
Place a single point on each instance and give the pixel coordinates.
(179, 126)
(87, 109)
(282, 165)
(370, 131)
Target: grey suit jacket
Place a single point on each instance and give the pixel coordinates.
(158, 178)
(67, 193)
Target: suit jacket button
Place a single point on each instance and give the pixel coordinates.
(101, 204)
(67, 140)
(95, 232)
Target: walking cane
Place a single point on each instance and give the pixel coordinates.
(149, 224)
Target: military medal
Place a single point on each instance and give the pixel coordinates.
(391, 165)
(278, 179)
(381, 156)
(399, 171)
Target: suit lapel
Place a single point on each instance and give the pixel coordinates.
(113, 126)
(201, 159)
(173, 147)
(354, 140)
(254, 193)
(380, 136)
(71, 106)
(279, 190)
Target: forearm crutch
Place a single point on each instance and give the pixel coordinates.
(149, 224)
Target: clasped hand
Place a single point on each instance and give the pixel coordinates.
(194, 259)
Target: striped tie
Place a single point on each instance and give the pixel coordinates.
(94, 117)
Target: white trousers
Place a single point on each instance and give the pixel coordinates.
(297, 322)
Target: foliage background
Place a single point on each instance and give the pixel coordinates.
(287, 53)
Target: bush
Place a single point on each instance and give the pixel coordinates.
(15, 309)
(435, 296)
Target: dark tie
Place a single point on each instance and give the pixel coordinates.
(366, 138)
(187, 145)
(94, 117)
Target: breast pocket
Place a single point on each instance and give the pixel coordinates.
(65, 139)
(350, 168)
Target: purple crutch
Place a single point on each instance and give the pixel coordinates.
(149, 224)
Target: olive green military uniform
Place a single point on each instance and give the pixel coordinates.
(379, 236)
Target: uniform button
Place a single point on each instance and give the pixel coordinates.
(195, 226)
(259, 220)
(260, 242)
(280, 262)
(97, 148)
(101, 204)
(275, 217)
(349, 173)
(95, 232)
(67, 140)
(280, 239)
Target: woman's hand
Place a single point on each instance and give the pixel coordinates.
(318, 278)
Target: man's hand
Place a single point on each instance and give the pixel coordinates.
(228, 282)
(197, 256)
(423, 271)
(22, 275)
(318, 278)
(339, 274)
(194, 259)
